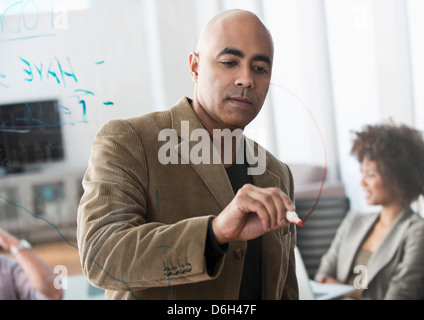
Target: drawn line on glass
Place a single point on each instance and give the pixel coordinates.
(2, 76)
(323, 145)
(29, 37)
(39, 217)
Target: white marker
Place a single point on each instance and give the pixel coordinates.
(292, 216)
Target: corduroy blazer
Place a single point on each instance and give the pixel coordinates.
(395, 270)
(142, 225)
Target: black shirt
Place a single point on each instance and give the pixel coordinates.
(251, 288)
(251, 284)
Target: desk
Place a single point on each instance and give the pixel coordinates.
(60, 253)
(63, 253)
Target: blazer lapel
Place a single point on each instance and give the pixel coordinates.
(266, 180)
(271, 241)
(389, 245)
(214, 176)
(358, 232)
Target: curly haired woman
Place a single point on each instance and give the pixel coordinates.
(382, 254)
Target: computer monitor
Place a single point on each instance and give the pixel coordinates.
(30, 133)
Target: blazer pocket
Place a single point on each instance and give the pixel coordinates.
(276, 270)
(285, 251)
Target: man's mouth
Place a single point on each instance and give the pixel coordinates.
(240, 101)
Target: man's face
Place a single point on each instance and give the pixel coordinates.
(233, 73)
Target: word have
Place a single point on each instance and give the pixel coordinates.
(3, 76)
(56, 70)
(201, 151)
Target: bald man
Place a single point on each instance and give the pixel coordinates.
(172, 211)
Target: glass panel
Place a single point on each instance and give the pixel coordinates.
(49, 200)
(8, 208)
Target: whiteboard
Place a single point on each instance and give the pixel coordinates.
(93, 56)
(99, 60)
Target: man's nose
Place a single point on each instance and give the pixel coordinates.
(245, 79)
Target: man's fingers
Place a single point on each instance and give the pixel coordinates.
(271, 204)
(288, 204)
(288, 207)
(253, 212)
(275, 202)
(250, 203)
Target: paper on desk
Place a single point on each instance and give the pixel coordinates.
(327, 291)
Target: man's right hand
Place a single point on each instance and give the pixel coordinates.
(253, 212)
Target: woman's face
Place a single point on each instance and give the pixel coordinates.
(376, 191)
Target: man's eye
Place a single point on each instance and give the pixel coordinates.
(260, 69)
(228, 63)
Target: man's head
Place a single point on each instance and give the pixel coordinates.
(231, 70)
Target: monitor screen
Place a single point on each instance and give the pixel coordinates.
(30, 133)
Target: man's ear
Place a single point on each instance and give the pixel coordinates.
(194, 65)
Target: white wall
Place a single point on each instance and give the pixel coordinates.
(416, 25)
(371, 69)
(301, 94)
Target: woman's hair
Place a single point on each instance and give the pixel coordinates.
(399, 154)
